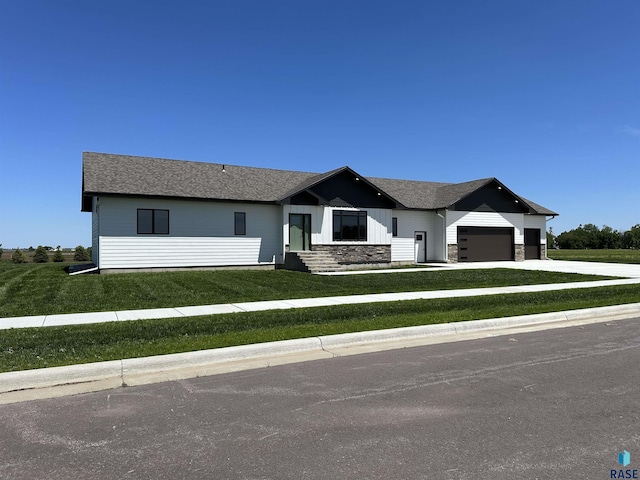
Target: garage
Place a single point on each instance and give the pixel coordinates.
(485, 244)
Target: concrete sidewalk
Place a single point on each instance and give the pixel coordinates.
(631, 272)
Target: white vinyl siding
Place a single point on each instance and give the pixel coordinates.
(201, 234)
(148, 252)
(409, 222)
(378, 224)
(484, 219)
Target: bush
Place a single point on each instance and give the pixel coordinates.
(41, 255)
(80, 254)
(18, 257)
(58, 256)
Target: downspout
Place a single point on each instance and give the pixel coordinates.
(444, 235)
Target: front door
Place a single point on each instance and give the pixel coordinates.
(532, 244)
(299, 232)
(420, 247)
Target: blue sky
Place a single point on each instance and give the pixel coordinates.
(543, 95)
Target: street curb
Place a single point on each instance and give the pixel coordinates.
(59, 381)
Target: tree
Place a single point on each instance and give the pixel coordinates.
(58, 256)
(1, 250)
(631, 238)
(551, 239)
(609, 238)
(18, 257)
(80, 254)
(41, 255)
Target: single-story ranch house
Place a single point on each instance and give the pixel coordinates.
(155, 213)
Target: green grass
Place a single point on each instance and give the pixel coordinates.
(607, 256)
(38, 289)
(22, 349)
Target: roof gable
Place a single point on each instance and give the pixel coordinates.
(491, 196)
(341, 188)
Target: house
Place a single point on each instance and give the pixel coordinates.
(150, 213)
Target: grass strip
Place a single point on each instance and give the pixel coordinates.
(23, 349)
(34, 289)
(603, 255)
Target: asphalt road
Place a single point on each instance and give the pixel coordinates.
(548, 405)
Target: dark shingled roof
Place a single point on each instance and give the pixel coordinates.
(129, 175)
(109, 174)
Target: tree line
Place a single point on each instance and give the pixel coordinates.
(591, 237)
(41, 255)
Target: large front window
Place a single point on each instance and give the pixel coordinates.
(349, 225)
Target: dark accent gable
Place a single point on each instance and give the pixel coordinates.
(344, 189)
(305, 198)
(493, 197)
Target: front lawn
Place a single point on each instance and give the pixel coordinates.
(604, 255)
(38, 289)
(29, 348)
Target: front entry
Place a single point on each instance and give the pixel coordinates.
(420, 247)
(299, 232)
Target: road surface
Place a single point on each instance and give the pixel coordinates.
(552, 404)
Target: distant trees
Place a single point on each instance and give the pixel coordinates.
(591, 237)
(1, 250)
(18, 257)
(58, 256)
(81, 255)
(41, 255)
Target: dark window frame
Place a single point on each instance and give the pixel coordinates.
(338, 236)
(154, 227)
(394, 226)
(240, 229)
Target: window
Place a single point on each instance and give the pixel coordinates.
(153, 221)
(349, 225)
(240, 223)
(394, 227)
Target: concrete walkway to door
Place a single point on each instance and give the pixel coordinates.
(630, 275)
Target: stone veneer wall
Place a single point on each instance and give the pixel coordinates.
(543, 251)
(348, 254)
(452, 253)
(519, 253)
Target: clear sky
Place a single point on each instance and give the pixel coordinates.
(544, 95)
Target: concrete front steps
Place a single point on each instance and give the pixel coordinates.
(312, 262)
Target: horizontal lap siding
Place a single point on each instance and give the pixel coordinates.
(402, 250)
(200, 234)
(409, 222)
(141, 252)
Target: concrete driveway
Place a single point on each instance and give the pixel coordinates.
(589, 268)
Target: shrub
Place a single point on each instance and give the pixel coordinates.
(18, 257)
(80, 254)
(41, 255)
(58, 256)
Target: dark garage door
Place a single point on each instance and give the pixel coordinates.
(485, 244)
